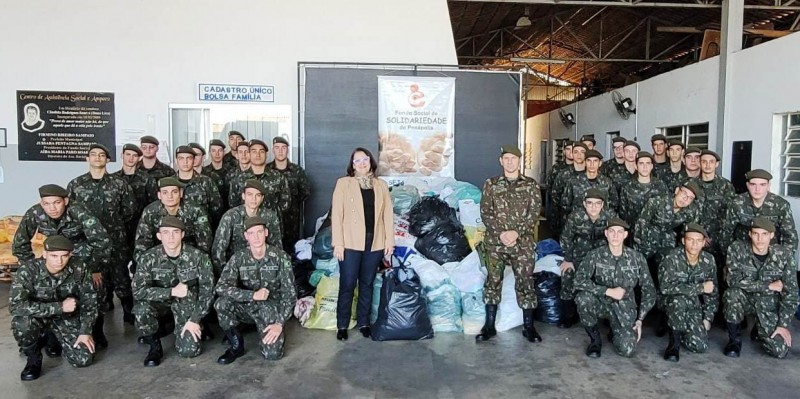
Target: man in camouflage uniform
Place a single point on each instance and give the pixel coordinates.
(661, 220)
(572, 199)
(717, 193)
(689, 293)
(510, 209)
(111, 200)
(621, 176)
(637, 191)
(257, 286)
(198, 189)
(605, 283)
(231, 159)
(199, 156)
(300, 188)
(551, 209)
(170, 202)
(54, 296)
(660, 160)
(230, 236)
(218, 170)
(674, 175)
(762, 282)
(172, 277)
(278, 196)
(583, 232)
(612, 166)
(562, 180)
(588, 141)
(150, 163)
(759, 201)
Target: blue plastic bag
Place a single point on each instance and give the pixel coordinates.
(548, 247)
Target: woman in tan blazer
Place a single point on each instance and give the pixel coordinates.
(362, 224)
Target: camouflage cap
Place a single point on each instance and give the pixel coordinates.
(615, 221)
(197, 146)
(589, 139)
(694, 228)
(510, 149)
(619, 139)
(98, 146)
(253, 221)
(258, 142)
(184, 149)
(633, 144)
(132, 147)
(760, 222)
(758, 174)
(709, 152)
(644, 154)
(235, 133)
(691, 150)
(172, 221)
(243, 143)
(595, 193)
(279, 140)
(594, 154)
(579, 144)
(52, 190)
(256, 184)
(693, 187)
(216, 142)
(170, 182)
(658, 137)
(148, 140)
(675, 142)
(58, 243)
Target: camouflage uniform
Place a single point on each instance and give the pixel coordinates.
(292, 217)
(748, 294)
(601, 270)
(658, 227)
(241, 278)
(673, 180)
(683, 299)
(620, 177)
(610, 167)
(635, 194)
(580, 236)
(556, 215)
(741, 212)
(202, 191)
(229, 161)
(155, 277)
(510, 205)
(572, 199)
(278, 195)
(36, 306)
(230, 234)
(197, 233)
(660, 168)
(220, 178)
(159, 170)
(717, 196)
(145, 191)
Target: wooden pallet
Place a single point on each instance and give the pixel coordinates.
(7, 272)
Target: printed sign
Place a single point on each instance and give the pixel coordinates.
(237, 93)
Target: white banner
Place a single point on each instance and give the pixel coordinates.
(416, 117)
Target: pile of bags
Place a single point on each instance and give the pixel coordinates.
(440, 236)
(8, 228)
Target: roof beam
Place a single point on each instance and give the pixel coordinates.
(636, 4)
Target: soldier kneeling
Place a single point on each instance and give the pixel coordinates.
(53, 296)
(256, 286)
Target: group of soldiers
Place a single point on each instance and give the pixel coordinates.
(662, 231)
(203, 244)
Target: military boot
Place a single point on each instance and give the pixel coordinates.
(672, 353)
(51, 345)
(33, 368)
(661, 323)
(528, 330)
(127, 310)
(593, 350)
(155, 353)
(108, 301)
(237, 347)
(734, 346)
(205, 331)
(97, 333)
(488, 331)
(569, 315)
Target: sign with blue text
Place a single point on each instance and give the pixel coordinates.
(236, 93)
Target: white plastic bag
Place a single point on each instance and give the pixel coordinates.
(402, 238)
(302, 248)
(444, 308)
(550, 263)
(509, 314)
(302, 309)
(467, 275)
(431, 275)
(473, 312)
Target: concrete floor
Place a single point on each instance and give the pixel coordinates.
(448, 366)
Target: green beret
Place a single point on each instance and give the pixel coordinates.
(235, 133)
(595, 193)
(52, 190)
(760, 222)
(709, 152)
(676, 142)
(691, 150)
(280, 140)
(510, 149)
(148, 140)
(58, 243)
(256, 184)
(569, 143)
(644, 154)
(258, 142)
(758, 174)
(253, 221)
(619, 139)
(589, 139)
(170, 182)
(216, 142)
(594, 154)
(617, 222)
(694, 228)
(197, 146)
(243, 143)
(693, 187)
(633, 144)
(184, 149)
(172, 221)
(658, 137)
(132, 147)
(579, 144)
(98, 146)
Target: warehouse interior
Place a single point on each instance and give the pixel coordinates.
(716, 74)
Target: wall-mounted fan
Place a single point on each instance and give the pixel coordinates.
(624, 105)
(566, 118)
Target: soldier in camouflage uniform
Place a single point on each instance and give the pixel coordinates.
(562, 180)
(230, 236)
(762, 282)
(689, 293)
(300, 188)
(660, 160)
(660, 222)
(572, 199)
(637, 191)
(150, 163)
(605, 283)
(257, 286)
(759, 201)
(53, 296)
(510, 210)
(674, 175)
(231, 159)
(279, 195)
(198, 230)
(583, 232)
(111, 200)
(621, 176)
(198, 189)
(718, 193)
(588, 141)
(613, 165)
(218, 170)
(551, 208)
(172, 277)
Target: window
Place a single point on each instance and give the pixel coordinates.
(609, 144)
(690, 135)
(558, 150)
(791, 155)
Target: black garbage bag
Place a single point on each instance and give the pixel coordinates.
(302, 273)
(445, 243)
(323, 248)
(402, 313)
(428, 213)
(548, 287)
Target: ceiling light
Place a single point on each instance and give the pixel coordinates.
(537, 60)
(525, 20)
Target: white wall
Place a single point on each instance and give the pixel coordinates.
(151, 53)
